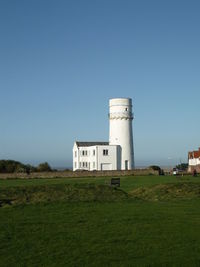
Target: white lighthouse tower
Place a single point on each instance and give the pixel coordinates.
(121, 134)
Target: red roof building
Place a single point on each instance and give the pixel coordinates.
(194, 154)
(194, 160)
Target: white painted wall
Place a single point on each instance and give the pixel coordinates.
(111, 158)
(84, 158)
(194, 162)
(120, 115)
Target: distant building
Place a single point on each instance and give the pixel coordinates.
(117, 154)
(194, 160)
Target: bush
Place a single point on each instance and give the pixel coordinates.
(157, 168)
(10, 166)
(44, 167)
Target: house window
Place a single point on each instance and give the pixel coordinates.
(85, 164)
(94, 165)
(75, 154)
(94, 152)
(75, 165)
(105, 152)
(84, 153)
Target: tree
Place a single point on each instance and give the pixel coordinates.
(157, 168)
(10, 166)
(44, 167)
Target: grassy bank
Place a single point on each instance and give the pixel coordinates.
(126, 227)
(127, 182)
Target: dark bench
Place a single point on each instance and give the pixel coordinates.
(115, 182)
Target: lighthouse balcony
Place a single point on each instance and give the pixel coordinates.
(121, 115)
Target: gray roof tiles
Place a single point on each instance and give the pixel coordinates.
(92, 143)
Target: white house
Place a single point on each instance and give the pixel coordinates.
(95, 156)
(117, 154)
(194, 160)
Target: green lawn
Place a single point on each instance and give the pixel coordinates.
(127, 232)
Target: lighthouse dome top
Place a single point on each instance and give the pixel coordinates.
(120, 102)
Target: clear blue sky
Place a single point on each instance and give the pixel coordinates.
(61, 61)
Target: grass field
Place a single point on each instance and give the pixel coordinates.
(149, 221)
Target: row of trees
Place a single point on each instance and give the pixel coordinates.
(11, 166)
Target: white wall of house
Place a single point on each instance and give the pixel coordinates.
(84, 158)
(194, 162)
(107, 158)
(103, 157)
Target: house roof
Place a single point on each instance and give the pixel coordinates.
(79, 144)
(194, 154)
